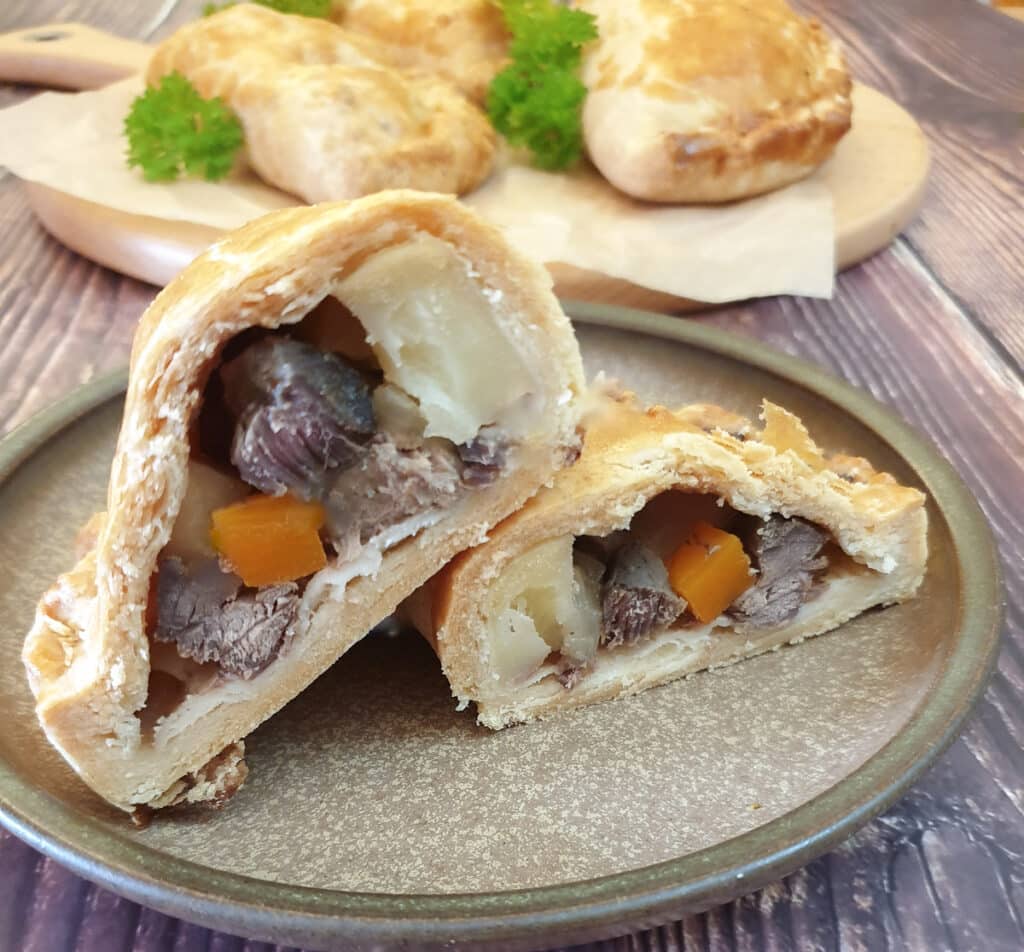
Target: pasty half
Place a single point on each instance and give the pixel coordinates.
(323, 409)
(680, 541)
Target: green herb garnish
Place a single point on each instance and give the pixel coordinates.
(172, 130)
(302, 8)
(536, 100)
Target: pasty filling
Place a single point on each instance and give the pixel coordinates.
(318, 441)
(685, 562)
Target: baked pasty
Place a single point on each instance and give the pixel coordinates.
(465, 41)
(680, 541)
(710, 100)
(324, 117)
(323, 408)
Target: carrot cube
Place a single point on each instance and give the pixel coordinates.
(270, 539)
(710, 572)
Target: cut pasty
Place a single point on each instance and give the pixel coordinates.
(465, 41)
(710, 100)
(325, 118)
(680, 541)
(323, 409)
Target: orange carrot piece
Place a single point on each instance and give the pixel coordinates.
(710, 572)
(270, 539)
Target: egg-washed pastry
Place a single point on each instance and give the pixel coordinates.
(465, 41)
(322, 410)
(324, 117)
(680, 541)
(710, 100)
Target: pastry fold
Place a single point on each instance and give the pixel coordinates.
(710, 101)
(325, 115)
(388, 369)
(680, 541)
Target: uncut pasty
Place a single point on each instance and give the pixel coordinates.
(710, 100)
(324, 116)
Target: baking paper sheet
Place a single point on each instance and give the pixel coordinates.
(781, 243)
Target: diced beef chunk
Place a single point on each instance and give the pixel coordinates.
(484, 457)
(387, 486)
(208, 618)
(301, 416)
(636, 598)
(787, 555)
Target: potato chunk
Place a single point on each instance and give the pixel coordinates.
(207, 489)
(543, 600)
(431, 327)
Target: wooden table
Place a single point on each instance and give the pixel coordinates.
(934, 327)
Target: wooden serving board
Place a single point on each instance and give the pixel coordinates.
(877, 177)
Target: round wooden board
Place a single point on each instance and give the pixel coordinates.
(877, 179)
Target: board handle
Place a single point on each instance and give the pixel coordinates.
(69, 56)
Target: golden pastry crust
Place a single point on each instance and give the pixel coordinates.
(465, 41)
(325, 118)
(631, 456)
(710, 100)
(88, 655)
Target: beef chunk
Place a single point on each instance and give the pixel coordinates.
(636, 598)
(484, 457)
(387, 486)
(208, 618)
(786, 553)
(301, 416)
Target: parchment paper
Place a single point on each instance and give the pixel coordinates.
(781, 243)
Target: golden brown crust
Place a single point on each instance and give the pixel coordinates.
(710, 101)
(630, 456)
(88, 656)
(465, 41)
(325, 117)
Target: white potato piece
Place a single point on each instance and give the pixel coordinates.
(517, 651)
(429, 321)
(542, 598)
(398, 415)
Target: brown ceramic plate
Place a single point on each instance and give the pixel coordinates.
(377, 814)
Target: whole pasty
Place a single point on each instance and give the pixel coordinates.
(322, 409)
(325, 116)
(710, 100)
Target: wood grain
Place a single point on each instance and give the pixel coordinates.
(959, 69)
(932, 327)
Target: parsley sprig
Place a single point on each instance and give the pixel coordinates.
(172, 130)
(536, 100)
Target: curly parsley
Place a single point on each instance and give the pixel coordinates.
(536, 100)
(172, 130)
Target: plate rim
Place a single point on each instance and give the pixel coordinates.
(585, 909)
